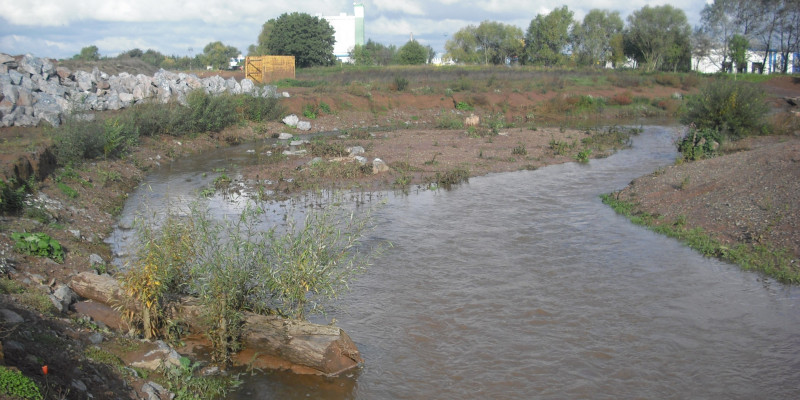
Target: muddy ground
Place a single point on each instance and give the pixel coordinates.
(749, 195)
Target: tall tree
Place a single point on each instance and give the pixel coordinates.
(592, 38)
(412, 53)
(738, 51)
(658, 37)
(548, 37)
(309, 39)
(88, 53)
(463, 46)
(488, 43)
(218, 55)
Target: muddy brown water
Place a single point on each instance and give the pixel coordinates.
(524, 285)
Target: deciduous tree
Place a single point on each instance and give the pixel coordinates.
(548, 37)
(658, 37)
(593, 37)
(309, 39)
(218, 55)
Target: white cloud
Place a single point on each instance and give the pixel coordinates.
(405, 7)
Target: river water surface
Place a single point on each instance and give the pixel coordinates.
(524, 285)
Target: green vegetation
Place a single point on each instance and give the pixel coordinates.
(186, 384)
(699, 143)
(448, 179)
(38, 244)
(309, 39)
(773, 262)
(732, 108)
(231, 266)
(11, 199)
(16, 385)
(78, 140)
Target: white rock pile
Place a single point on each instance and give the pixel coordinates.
(33, 90)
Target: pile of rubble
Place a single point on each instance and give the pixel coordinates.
(33, 89)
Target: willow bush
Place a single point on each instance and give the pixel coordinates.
(234, 265)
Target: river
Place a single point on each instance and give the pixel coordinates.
(524, 285)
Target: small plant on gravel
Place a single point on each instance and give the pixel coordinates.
(451, 177)
(448, 120)
(583, 156)
(38, 244)
(400, 84)
(519, 150)
(310, 111)
(464, 106)
(559, 147)
(183, 381)
(699, 143)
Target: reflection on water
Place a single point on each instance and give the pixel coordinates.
(523, 285)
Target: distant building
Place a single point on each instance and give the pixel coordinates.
(755, 63)
(349, 31)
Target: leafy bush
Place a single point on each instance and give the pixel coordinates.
(310, 111)
(464, 106)
(38, 244)
(699, 143)
(400, 84)
(13, 383)
(11, 199)
(583, 156)
(734, 109)
(449, 120)
(77, 140)
(452, 177)
(186, 385)
(519, 150)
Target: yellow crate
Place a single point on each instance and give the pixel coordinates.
(266, 69)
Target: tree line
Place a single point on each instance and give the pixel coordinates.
(652, 38)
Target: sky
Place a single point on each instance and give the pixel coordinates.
(60, 29)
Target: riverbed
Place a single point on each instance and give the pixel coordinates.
(524, 285)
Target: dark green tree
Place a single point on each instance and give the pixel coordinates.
(309, 39)
(738, 51)
(659, 37)
(412, 53)
(593, 37)
(218, 55)
(373, 53)
(548, 37)
(88, 53)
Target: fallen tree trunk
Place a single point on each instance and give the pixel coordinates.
(324, 349)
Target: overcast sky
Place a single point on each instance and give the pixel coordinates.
(60, 28)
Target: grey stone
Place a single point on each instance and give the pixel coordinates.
(85, 81)
(95, 259)
(78, 384)
(360, 159)
(285, 136)
(291, 120)
(155, 391)
(11, 317)
(15, 77)
(304, 126)
(5, 58)
(355, 150)
(247, 86)
(295, 152)
(96, 338)
(31, 64)
(65, 297)
(379, 166)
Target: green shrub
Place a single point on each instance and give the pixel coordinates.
(464, 106)
(699, 143)
(519, 150)
(734, 109)
(75, 141)
(400, 84)
(310, 111)
(11, 199)
(68, 191)
(583, 156)
(449, 120)
(38, 244)
(452, 177)
(13, 383)
(209, 113)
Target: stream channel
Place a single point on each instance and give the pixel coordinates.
(524, 285)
